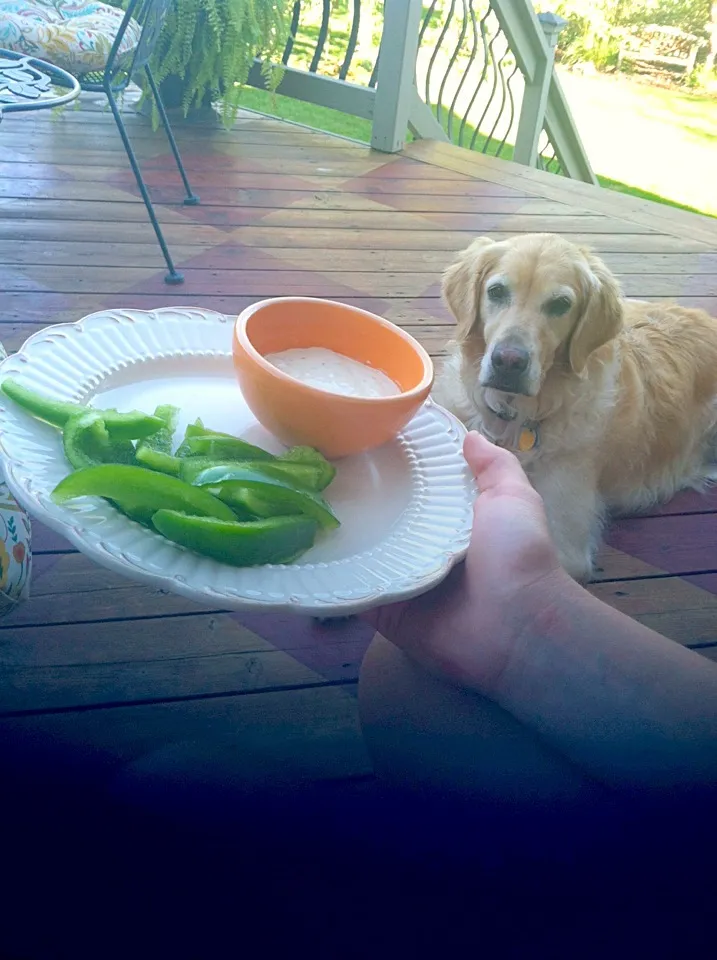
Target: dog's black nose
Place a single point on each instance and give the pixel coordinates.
(509, 358)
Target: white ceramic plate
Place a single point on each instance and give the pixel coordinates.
(405, 509)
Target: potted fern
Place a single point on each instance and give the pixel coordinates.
(207, 47)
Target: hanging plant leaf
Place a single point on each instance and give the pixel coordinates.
(210, 45)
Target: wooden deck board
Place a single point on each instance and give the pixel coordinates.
(236, 256)
(296, 720)
(100, 663)
(221, 279)
(304, 237)
(69, 590)
(657, 216)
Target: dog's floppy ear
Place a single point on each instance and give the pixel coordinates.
(602, 316)
(462, 283)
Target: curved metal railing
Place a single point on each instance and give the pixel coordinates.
(470, 78)
(548, 158)
(343, 43)
(466, 71)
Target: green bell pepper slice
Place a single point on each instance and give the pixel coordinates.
(303, 476)
(87, 443)
(139, 492)
(163, 438)
(193, 430)
(85, 439)
(307, 456)
(219, 446)
(158, 461)
(200, 442)
(132, 425)
(155, 451)
(229, 482)
(277, 540)
(259, 507)
(299, 475)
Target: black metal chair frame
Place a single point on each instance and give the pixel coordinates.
(32, 81)
(114, 79)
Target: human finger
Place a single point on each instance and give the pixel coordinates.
(495, 469)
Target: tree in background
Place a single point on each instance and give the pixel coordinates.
(595, 26)
(712, 27)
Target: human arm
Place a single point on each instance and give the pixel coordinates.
(629, 707)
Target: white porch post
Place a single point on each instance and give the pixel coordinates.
(396, 80)
(535, 96)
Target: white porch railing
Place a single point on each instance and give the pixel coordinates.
(479, 73)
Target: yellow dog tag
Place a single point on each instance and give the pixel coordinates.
(528, 439)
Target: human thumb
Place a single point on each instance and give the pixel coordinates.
(496, 470)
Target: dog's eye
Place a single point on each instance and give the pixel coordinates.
(498, 292)
(558, 306)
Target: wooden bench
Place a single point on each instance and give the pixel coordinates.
(666, 46)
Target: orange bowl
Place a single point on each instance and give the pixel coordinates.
(296, 413)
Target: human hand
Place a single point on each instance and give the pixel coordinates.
(467, 627)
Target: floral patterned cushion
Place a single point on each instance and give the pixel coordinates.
(15, 553)
(73, 34)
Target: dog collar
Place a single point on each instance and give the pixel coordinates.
(520, 438)
(503, 426)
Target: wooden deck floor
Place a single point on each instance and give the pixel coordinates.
(123, 670)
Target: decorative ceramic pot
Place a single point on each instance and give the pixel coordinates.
(15, 552)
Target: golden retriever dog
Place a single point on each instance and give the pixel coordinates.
(610, 404)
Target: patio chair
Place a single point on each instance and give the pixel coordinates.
(104, 47)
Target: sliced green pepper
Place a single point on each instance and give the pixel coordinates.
(227, 483)
(298, 475)
(191, 467)
(222, 446)
(85, 439)
(139, 492)
(193, 430)
(163, 438)
(155, 452)
(121, 426)
(259, 507)
(187, 468)
(200, 442)
(304, 476)
(158, 461)
(56, 412)
(278, 540)
(309, 457)
(87, 443)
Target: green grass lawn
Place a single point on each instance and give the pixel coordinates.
(646, 195)
(659, 143)
(333, 121)
(649, 142)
